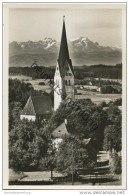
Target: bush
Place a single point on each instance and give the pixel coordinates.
(118, 102)
(104, 104)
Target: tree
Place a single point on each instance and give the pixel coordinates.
(112, 137)
(72, 155)
(49, 161)
(27, 145)
(114, 114)
(14, 113)
(19, 91)
(115, 164)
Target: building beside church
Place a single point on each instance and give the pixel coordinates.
(59, 133)
(37, 107)
(64, 74)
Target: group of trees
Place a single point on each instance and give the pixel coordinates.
(117, 102)
(85, 119)
(27, 145)
(30, 143)
(71, 155)
(99, 71)
(28, 71)
(30, 149)
(20, 91)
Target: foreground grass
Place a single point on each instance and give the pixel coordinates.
(39, 177)
(14, 176)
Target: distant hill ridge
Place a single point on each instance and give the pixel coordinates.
(82, 51)
(81, 72)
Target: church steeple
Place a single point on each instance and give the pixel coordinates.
(64, 52)
(64, 75)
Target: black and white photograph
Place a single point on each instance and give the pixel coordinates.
(65, 96)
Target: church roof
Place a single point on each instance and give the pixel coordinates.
(60, 131)
(64, 53)
(37, 105)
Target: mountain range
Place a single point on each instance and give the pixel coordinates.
(82, 52)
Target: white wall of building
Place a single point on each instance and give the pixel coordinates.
(29, 117)
(56, 142)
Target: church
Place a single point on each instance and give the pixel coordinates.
(41, 106)
(64, 74)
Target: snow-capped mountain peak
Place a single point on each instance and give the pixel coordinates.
(84, 43)
(50, 44)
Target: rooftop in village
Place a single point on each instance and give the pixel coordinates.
(38, 105)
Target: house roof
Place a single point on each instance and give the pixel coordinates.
(38, 105)
(60, 131)
(64, 58)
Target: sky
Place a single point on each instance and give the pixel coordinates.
(99, 23)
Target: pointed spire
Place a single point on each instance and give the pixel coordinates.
(64, 58)
(64, 18)
(64, 53)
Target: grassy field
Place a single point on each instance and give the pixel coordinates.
(98, 98)
(35, 83)
(36, 86)
(94, 96)
(90, 87)
(20, 77)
